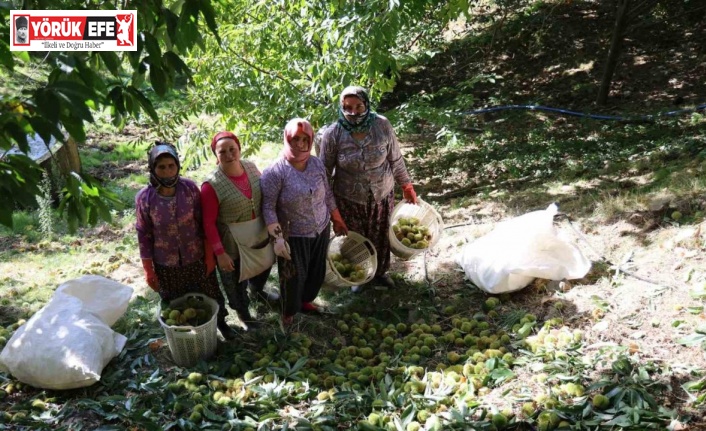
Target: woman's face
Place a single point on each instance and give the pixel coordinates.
(166, 167)
(352, 107)
(227, 151)
(300, 142)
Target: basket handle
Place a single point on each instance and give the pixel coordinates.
(369, 245)
(195, 296)
(179, 328)
(182, 329)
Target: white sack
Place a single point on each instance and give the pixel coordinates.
(519, 250)
(67, 343)
(105, 298)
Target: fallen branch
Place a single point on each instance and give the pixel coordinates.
(466, 189)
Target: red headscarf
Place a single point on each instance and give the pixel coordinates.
(292, 128)
(221, 135)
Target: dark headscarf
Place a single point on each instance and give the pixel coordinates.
(365, 120)
(160, 149)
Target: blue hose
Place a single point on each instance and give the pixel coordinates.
(640, 119)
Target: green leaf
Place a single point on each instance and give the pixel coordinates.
(208, 414)
(299, 364)
(620, 421)
(158, 79)
(118, 101)
(6, 215)
(622, 366)
(111, 61)
(134, 57)
(695, 310)
(73, 89)
(152, 46)
(692, 340)
(22, 55)
(172, 21)
(18, 134)
(500, 375)
(177, 64)
(210, 17)
(187, 30)
(76, 107)
(45, 129)
(138, 78)
(90, 78)
(491, 363)
(144, 102)
(6, 55)
(408, 415)
(47, 104)
(130, 106)
(75, 128)
(699, 293)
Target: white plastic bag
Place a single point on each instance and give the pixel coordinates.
(105, 298)
(68, 342)
(519, 250)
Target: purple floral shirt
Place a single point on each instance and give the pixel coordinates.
(372, 165)
(169, 228)
(300, 201)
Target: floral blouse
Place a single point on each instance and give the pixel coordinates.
(299, 201)
(169, 228)
(372, 165)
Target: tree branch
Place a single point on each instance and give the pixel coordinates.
(291, 18)
(272, 74)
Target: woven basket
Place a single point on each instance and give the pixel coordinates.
(189, 344)
(427, 216)
(358, 250)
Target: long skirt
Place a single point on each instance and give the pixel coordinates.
(175, 281)
(371, 220)
(301, 278)
(236, 291)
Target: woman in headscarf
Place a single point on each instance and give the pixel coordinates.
(362, 155)
(170, 235)
(298, 205)
(231, 194)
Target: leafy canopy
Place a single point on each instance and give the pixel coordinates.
(277, 60)
(256, 63)
(76, 84)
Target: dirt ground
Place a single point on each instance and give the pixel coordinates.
(645, 308)
(646, 305)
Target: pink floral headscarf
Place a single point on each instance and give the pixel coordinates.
(291, 129)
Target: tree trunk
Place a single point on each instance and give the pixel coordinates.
(66, 158)
(60, 162)
(616, 44)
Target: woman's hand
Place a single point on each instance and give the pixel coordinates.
(339, 226)
(282, 249)
(408, 193)
(225, 262)
(150, 275)
(280, 244)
